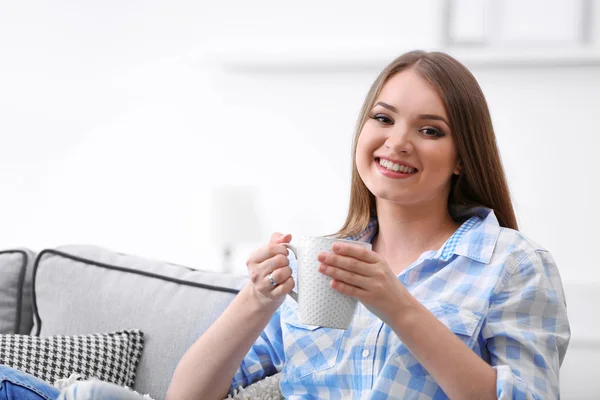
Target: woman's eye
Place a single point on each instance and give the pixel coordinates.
(382, 118)
(431, 132)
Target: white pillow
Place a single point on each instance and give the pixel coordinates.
(266, 389)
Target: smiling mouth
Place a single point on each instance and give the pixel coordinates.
(393, 167)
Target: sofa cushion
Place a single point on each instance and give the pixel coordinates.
(16, 270)
(82, 289)
(111, 357)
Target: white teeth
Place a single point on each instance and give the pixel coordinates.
(395, 167)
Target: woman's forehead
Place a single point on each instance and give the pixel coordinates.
(409, 92)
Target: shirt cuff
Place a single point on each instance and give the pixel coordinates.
(509, 386)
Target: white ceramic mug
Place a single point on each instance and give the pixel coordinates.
(318, 302)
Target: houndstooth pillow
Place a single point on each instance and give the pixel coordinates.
(110, 357)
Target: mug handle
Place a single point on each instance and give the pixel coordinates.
(293, 294)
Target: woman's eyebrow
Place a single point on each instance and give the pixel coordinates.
(434, 117)
(421, 116)
(386, 105)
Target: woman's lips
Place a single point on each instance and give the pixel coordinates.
(392, 174)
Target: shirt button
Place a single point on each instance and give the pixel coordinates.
(365, 353)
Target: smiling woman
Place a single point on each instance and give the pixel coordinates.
(435, 98)
(407, 128)
(454, 301)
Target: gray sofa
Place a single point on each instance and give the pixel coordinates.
(74, 290)
(87, 289)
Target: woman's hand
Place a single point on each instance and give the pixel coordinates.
(365, 275)
(271, 259)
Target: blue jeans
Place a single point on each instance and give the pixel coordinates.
(17, 385)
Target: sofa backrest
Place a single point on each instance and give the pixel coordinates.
(87, 289)
(16, 270)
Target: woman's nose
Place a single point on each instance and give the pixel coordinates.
(400, 140)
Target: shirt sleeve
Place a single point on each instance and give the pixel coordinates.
(266, 356)
(527, 331)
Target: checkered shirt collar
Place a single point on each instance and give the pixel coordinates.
(474, 239)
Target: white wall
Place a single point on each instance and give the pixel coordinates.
(115, 124)
(117, 118)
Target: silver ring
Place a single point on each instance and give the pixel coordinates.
(270, 276)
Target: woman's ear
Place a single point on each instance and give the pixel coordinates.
(458, 168)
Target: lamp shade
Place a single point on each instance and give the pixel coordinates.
(234, 215)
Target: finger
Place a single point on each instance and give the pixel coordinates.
(346, 263)
(355, 251)
(283, 288)
(263, 253)
(278, 266)
(286, 238)
(275, 236)
(344, 276)
(280, 238)
(274, 263)
(280, 275)
(348, 290)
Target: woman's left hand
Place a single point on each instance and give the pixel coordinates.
(363, 274)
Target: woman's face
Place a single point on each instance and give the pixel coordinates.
(406, 153)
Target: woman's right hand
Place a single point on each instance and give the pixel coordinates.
(271, 259)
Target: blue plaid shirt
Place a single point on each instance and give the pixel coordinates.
(499, 292)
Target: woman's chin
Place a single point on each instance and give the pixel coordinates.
(395, 197)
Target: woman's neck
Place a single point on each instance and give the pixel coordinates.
(406, 232)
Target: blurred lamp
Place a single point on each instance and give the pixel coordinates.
(234, 219)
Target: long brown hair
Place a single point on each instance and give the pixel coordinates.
(482, 181)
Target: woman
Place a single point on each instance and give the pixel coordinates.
(454, 301)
